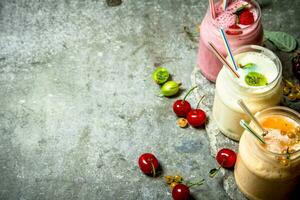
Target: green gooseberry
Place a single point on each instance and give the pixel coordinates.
(160, 75)
(170, 88)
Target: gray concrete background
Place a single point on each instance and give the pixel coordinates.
(78, 104)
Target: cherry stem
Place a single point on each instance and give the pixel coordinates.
(153, 169)
(200, 101)
(187, 94)
(197, 183)
(288, 155)
(218, 169)
(216, 172)
(222, 163)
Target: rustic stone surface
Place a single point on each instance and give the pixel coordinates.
(78, 104)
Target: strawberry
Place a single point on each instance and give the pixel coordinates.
(246, 17)
(235, 26)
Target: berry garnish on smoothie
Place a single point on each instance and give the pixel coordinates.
(246, 17)
(256, 79)
(239, 14)
(255, 69)
(283, 134)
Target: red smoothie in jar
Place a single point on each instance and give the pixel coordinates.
(242, 23)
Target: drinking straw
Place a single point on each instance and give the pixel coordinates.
(229, 52)
(222, 59)
(247, 127)
(224, 4)
(253, 118)
(212, 9)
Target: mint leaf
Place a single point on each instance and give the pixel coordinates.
(283, 41)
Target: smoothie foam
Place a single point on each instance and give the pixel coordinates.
(258, 63)
(228, 18)
(283, 134)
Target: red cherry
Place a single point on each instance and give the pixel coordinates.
(148, 164)
(181, 108)
(196, 117)
(226, 158)
(181, 192)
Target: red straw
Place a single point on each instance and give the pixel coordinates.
(223, 60)
(212, 9)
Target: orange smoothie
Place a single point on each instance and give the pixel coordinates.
(270, 170)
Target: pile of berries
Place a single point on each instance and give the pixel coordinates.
(244, 16)
(180, 189)
(150, 166)
(168, 87)
(291, 91)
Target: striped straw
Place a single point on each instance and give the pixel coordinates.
(224, 4)
(229, 52)
(223, 60)
(212, 9)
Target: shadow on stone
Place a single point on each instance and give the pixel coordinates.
(192, 197)
(112, 3)
(158, 172)
(265, 4)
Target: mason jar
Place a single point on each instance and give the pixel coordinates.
(226, 111)
(209, 32)
(261, 174)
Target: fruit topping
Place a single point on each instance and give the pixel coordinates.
(234, 32)
(256, 79)
(246, 17)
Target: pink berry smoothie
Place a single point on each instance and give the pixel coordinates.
(242, 23)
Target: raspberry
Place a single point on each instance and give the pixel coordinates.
(246, 17)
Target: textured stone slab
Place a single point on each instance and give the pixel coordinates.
(216, 138)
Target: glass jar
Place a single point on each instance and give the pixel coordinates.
(226, 111)
(209, 32)
(261, 174)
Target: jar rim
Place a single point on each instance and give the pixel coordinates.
(271, 54)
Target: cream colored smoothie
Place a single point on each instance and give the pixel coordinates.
(271, 170)
(259, 86)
